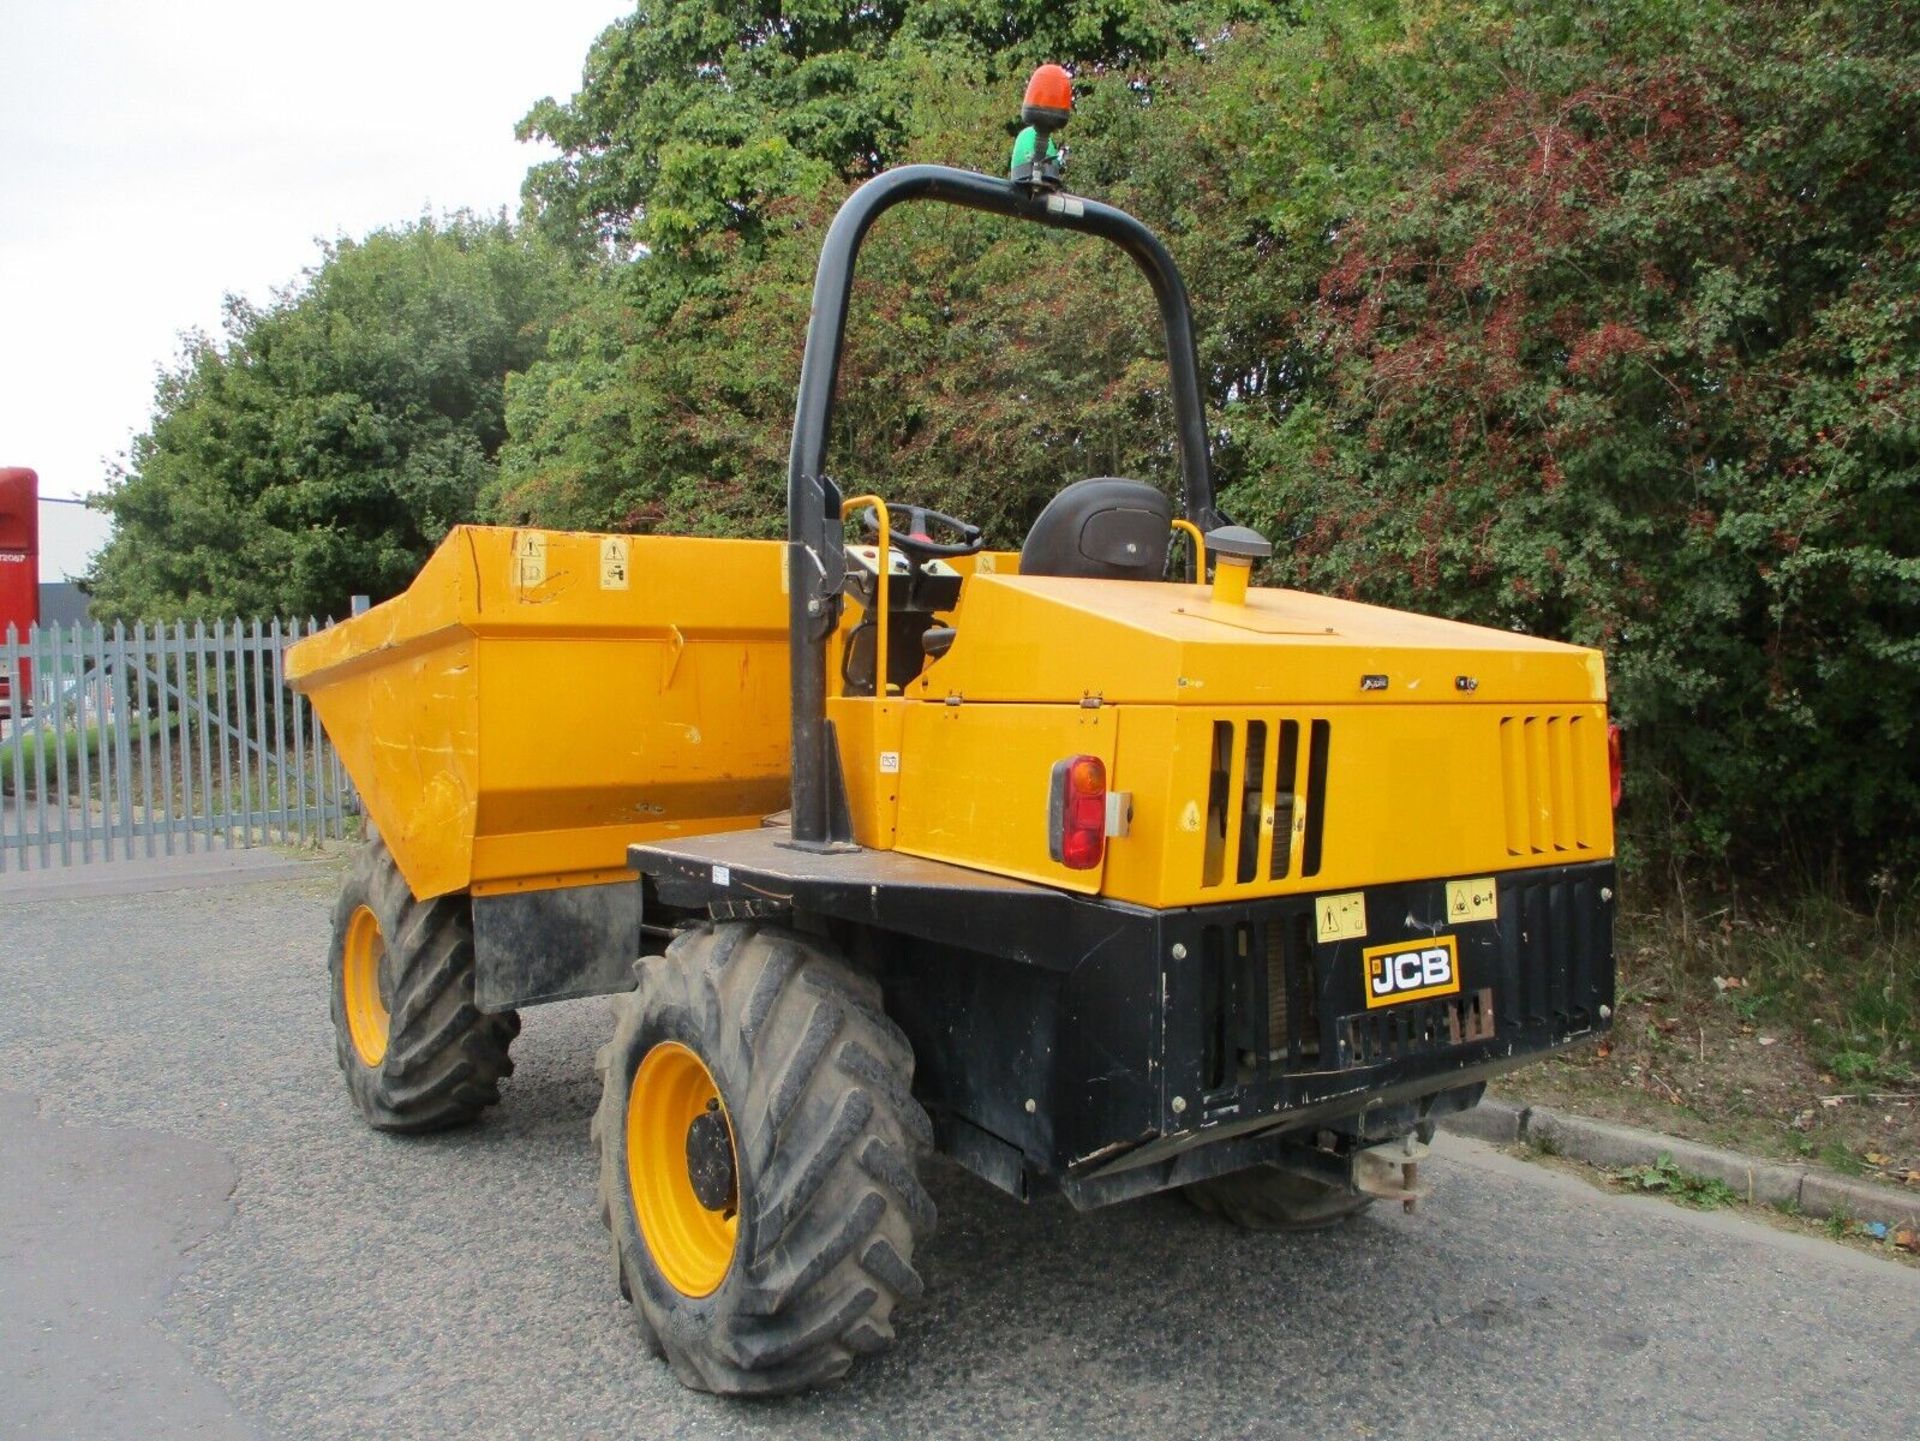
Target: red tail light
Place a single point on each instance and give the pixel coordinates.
(1613, 763)
(1077, 812)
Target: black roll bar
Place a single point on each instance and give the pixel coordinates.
(815, 561)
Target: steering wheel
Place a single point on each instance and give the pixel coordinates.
(917, 542)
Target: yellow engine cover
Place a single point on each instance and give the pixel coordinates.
(1295, 743)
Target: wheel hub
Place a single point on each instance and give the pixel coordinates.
(710, 1160)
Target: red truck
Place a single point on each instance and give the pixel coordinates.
(19, 574)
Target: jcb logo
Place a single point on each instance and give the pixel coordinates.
(1411, 970)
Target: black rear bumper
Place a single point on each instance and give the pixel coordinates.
(1182, 1044)
(1109, 1050)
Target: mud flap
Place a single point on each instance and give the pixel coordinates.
(555, 945)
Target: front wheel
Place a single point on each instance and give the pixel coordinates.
(759, 1144)
(417, 1053)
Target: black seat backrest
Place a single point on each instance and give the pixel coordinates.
(1101, 529)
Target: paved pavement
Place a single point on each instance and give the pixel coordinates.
(197, 1238)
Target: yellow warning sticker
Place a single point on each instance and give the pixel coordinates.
(1342, 917)
(529, 559)
(1473, 900)
(616, 557)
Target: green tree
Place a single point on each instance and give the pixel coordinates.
(988, 363)
(695, 115)
(1637, 363)
(326, 441)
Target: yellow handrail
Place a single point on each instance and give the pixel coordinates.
(1199, 549)
(882, 591)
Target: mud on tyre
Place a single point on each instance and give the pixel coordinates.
(417, 1053)
(759, 1145)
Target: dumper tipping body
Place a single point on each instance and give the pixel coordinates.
(627, 687)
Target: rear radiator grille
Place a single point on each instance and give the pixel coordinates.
(1259, 989)
(1266, 800)
(1560, 958)
(1545, 787)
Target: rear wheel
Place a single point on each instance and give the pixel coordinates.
(1266, 1198)
(417, 1054)
(759, 1144)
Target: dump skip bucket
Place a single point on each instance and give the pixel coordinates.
(537, 701)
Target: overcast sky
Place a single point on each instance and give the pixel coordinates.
(154, 157)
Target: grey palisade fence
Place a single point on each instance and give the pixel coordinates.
(160, 739)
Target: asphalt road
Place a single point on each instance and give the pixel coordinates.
(197, 1237)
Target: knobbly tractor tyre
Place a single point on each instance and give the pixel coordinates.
(417, 1053)
(1267, 1199)
(759, 1149)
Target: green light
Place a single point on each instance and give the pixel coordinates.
(1023, 147)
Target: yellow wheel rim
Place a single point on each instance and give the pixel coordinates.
(360, 979)
(690, 1238)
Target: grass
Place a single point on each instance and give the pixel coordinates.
(162, 780)
(1665, 1179)
(1836, 1157)
(73, 739)
(30, 748)
(1662, 1176)
(1787, 1027)
(1845, 979)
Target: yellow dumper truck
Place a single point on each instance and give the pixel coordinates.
(1094, 866)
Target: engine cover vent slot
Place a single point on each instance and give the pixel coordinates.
(1266, 799)
(1545, 786)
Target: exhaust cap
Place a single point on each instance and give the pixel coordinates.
(1234, 549)
(1239, 540)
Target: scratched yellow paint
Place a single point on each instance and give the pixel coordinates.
(514, 722)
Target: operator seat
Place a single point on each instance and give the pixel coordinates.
(1105, 528)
